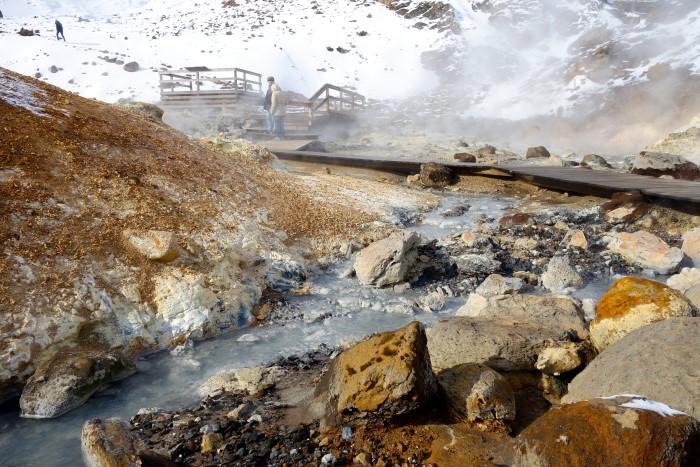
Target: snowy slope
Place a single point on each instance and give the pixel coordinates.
(617, 73)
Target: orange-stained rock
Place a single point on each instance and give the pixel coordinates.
(387, 375)
(624, 431)
(633, 302)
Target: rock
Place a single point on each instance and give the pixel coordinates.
(253, 381)
(646, 250)
(487, 150)
(684, 142)
(553, 161)
(386, 261)
(69, 378)
(633, 302)
(188, 307)
(465, 157)
(576, 239)
(501, 345)
(656, 164)
(53, 69)
(155, 245)
(495, 284)
(691, 245)
(658, 360)
(131, 67)
(625, 206)
(110, 443)
(553, 312)
(623, 430)
(152, 111)
(476, 393)
(434, 301)
(560, 275)
(476, 264)
(536, 152)
(520, 218)
(594, 160)
(561, 358)
(686, 279)
(25, 32)
(435, 175)
(693, 295)
(387, 375)
(285, 275)
(211, 442)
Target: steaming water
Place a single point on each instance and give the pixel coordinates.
(337, 309)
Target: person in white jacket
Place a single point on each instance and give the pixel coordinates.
(278, 109)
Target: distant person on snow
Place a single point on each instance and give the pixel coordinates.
(267, 104)
(59, 30)
(278, 109)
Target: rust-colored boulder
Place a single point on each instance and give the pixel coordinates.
(537, 152)
(625, 206)
(435, 175)
(623, 431)
(633, 302)
(387, 375)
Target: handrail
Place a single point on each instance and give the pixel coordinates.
(240, 79)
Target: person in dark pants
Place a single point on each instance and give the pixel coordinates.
(59, 30)
(267, 105)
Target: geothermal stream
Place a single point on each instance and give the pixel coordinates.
(337, 309)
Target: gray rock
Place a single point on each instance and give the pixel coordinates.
(285, 275)
(560, 274)
(555, 312)
(658, 361)
(476, 264)
(131, 67)
(500, 345)
(656, 164)
(385, 262)
(69, 378)
(495, 284)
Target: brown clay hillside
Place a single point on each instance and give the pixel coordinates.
(76, 174)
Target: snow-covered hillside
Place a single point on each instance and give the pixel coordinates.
(606, 75)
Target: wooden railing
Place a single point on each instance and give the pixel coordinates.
(332, 98)
(203, 81)
(328, 100)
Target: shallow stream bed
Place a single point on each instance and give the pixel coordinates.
(337, 309)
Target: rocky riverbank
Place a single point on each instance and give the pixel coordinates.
(487, 386)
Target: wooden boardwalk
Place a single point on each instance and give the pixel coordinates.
(681, 194)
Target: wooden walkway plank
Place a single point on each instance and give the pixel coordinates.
(686, 194)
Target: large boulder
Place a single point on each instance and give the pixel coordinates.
(501, 345)
(387, 375)
(656, 164)
(69, 378)
(633, 302)
(646, 250)
(623, 430)
(385, 262)
(556, 312)
(658, 361)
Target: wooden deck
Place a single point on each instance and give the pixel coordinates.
(681, 194)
